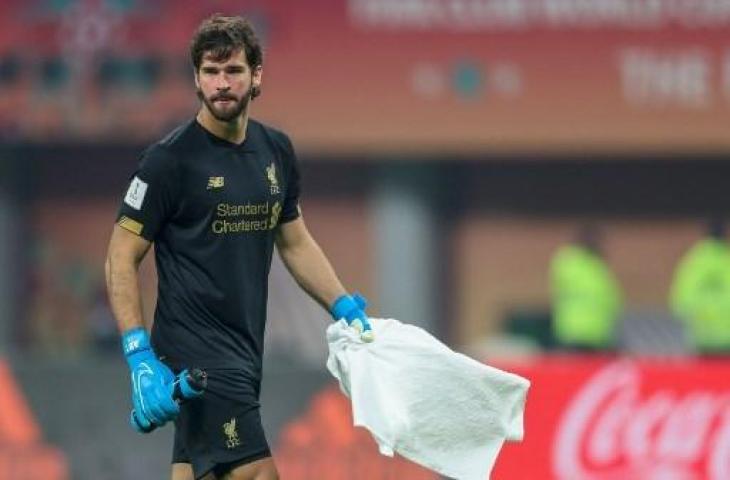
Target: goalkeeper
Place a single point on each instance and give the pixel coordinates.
(214, 196)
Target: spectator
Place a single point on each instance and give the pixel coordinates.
(586, 298)
(700, 292)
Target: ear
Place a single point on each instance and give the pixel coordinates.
(196, 77)
(256, 75)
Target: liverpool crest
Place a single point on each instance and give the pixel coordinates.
(273, 181)
(229, 428)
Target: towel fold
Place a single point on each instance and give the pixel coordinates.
(417, 397)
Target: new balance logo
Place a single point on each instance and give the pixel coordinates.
(215, 182)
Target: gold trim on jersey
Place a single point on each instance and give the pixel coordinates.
(130, 225)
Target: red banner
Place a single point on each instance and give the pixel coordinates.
(587, 418)
(591, 419)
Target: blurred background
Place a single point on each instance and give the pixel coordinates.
(541, 184)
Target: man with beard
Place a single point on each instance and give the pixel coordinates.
(214, 196)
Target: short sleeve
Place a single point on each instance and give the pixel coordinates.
(152, 194)
(290, 210)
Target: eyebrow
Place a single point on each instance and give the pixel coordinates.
(212, 60)
(217, 66)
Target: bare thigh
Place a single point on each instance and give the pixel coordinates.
(263, 469)
(182, 471)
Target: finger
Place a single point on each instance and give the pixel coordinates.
(168, 409)
(186, 389)
(154, 411)
(364, 329)
(367, 334)
(357, 325)
(168, 378)
(139, 422)
(145, 411)
(154, 415)
(169, 406)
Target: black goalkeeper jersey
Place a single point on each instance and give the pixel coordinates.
(212, 207)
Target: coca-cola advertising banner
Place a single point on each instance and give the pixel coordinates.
(436, 77)
(623, 419)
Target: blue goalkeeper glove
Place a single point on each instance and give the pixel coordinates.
(152, 382)
(352, 309)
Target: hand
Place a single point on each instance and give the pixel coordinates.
(187, 385)
(352, 309)
(152, 382)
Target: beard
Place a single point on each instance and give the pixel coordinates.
(230, 111)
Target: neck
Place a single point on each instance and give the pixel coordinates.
(233, 131)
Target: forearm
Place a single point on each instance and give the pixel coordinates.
(310, 268)
(124, 293)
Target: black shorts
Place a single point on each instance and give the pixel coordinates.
(222, 429)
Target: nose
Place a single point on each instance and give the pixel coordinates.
(221, 82)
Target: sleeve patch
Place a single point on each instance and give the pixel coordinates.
(130, 224)
(135, 193)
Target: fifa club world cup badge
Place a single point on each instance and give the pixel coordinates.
(229, 428)
(273, 181)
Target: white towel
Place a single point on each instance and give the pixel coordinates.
(429, 404)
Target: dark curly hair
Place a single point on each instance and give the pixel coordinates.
(222, 36)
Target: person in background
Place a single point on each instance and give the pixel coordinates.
(586, 298)
(700, 291)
